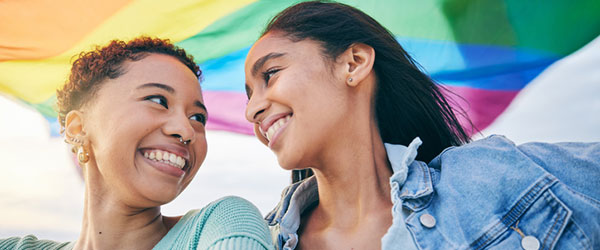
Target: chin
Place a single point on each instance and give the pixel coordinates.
(289, 163)
(162, 200)
(162, 196)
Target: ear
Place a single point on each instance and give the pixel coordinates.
(74, 125)
(359, 63)
(259, 135)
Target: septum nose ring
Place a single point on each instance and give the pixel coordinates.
(184, 142)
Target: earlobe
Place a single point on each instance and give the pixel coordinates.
(360, 63)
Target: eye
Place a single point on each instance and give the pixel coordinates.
(199, 117)
(267, 75)
(158, 99)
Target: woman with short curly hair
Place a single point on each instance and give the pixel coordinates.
(135, 117)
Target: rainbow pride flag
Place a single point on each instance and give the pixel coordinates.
(484, 51)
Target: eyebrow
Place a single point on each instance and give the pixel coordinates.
(201, 105)
(261, 61)
(157, 85)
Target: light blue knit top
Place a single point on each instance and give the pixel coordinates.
(227, 223)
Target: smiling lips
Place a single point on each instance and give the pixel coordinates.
(165, 157)
(275, 125)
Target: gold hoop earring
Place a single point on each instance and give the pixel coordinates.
(72, 140)
(82, 156)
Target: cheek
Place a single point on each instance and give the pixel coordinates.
(201, 150)
(117, 135)
(317, 124)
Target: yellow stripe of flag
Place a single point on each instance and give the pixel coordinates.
(36, 80)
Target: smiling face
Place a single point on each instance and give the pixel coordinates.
(134, 123)
(298, 99)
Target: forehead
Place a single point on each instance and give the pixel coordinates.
(154, 68)
(157, 67)
(269, 42)
(277, 42)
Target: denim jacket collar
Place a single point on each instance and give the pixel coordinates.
(411, 186)
(286, 216)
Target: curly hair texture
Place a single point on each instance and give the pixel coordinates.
(91, 68)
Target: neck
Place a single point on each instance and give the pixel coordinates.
(353, 181)
(108, 223)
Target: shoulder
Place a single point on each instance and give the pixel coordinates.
(223, 207)
(541, 187)
(492, 162)
(494, 147)
(576, 164)
(32, 242)
(497, 151)
(231, 219)
(232, 203)
(231, 210)
(537, 150)
(496, 162)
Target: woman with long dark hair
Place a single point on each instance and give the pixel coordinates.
(380, 160)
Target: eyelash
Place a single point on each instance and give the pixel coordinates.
(163, 102)
(267, 75)
(202, 118)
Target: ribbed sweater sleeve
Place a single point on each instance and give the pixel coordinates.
(238, 243)
(30, 242)
(234, 223)
(227, 223)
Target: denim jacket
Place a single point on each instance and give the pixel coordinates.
(488, 194)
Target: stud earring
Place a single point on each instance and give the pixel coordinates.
(82, 156)
(350, 79)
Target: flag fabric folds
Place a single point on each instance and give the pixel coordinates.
(483, 51)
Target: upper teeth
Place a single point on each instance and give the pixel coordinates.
(165, 157)
(276, 125)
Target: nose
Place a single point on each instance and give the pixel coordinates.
(179, 126)
(257, 105)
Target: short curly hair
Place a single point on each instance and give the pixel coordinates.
(91, 68)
